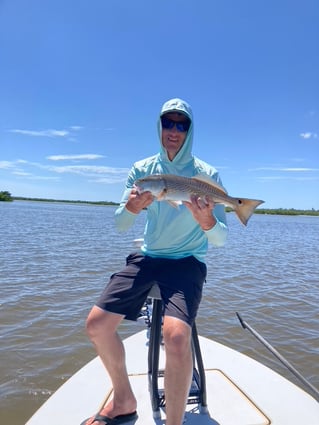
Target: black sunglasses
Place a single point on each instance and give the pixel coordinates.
(181, 126)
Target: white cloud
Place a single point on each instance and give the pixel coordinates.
(89, 170)
(116, 178)
(287, 169)
(50, 178)
(42, 133)
(76, 127)
(48, 132)
(288, 174)
(5, 165)
(21, 173)
(97, 174)
(309, 135)
(286, 177)
(15, 169)
(73, 157)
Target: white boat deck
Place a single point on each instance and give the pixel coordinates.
(240, 391)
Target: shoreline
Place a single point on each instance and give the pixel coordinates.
(265, 211)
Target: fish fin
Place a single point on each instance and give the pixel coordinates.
(175, 204)
(161, 195)
(206, 179)
(245, 208)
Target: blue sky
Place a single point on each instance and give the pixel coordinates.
(82, 83)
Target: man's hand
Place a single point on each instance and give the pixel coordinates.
(137, 201)
(202, 210)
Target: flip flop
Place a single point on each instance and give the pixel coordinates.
(117, 420)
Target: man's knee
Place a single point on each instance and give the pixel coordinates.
(100, 322)
(177, 337)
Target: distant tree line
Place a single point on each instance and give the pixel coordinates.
(290, 211)
(22, 198)
(283, 211)
(5, 196)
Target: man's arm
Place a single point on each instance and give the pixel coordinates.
(132, 204)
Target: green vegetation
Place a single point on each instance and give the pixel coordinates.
(291, 211)
(20, 198)
(283, 211)
(5, 196)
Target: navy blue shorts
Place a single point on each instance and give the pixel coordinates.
(180, 282)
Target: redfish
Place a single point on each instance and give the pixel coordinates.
(176, 189)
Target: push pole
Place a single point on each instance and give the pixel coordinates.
(279, 357)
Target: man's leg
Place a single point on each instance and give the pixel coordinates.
(178, 369)
(102, 329)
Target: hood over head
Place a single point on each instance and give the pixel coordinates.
(184, 156)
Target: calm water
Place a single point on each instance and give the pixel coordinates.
(55, 259)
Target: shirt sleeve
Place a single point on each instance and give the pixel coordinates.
(124, 219)
(217, 235)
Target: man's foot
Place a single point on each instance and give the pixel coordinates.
(106, 420)
(111, 414)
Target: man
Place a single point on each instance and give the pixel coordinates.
(173, 254)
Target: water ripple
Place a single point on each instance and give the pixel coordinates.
(56, 259)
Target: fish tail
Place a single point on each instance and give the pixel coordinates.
(245, 208)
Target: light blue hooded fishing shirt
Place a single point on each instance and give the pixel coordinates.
(173, 232)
